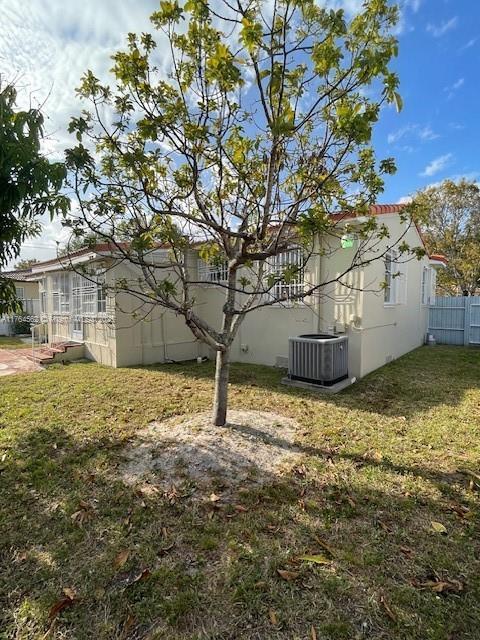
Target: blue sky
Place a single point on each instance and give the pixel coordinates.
(437, 134)
(46, 45)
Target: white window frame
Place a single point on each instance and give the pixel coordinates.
(396, 291)
(20, 296)
(78, 295)
(42, 289)
(282, 292)
(428, 286)
(212, 272)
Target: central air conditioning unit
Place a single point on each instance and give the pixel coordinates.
(318, 358)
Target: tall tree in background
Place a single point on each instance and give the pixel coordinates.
(29, 185)
(244, 132)
(449, 215)
(26, 264)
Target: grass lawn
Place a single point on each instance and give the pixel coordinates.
(83, 556)
(11, 342)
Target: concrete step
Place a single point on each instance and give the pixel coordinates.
(52, 353)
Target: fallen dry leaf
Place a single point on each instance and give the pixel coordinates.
(385, 527)
(313, 633)
(60, 605)
(407, 551)
(325, 545)
(143, 575)
(214, 497)
(127, 625)
(121, 558)
(83, 514)
(70, 593)
(461, 511)
(442, 586)
(273, 617)
(288, 575)
(438, 527)
(470, 473)
(317, 558)
(388, 609)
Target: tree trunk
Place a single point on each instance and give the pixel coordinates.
(222, 372)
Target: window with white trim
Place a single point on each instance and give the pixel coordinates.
(61, 293)
(20, 293)
(87, 293)
(288, 269)
(43, 295)
(429, 285)
(212, 271)
(395, 291)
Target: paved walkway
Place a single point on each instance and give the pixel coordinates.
(13, 361)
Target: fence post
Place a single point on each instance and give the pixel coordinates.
(466, 321)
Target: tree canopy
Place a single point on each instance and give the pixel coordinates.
(241, 132)
(26, 263)
(29, 184)
(449, 214)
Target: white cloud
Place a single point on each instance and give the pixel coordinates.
(469, 44)
(414, 5)
(424, 134)
(437, 165)
(395, 136)
(451, 89)
(438, 31)
(45, 47)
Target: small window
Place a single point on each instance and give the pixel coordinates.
(20, 293)
(212, 271)
(390, 282)
(427, 282)
(55, 294)
(395, 291)
(289, 262)
(101, 293)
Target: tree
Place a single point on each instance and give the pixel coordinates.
(260, 128)
(77, 242)
(449, 216)
(26, 264)
(29, 185)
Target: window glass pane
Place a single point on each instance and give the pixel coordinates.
(288, 267)
(389, 281)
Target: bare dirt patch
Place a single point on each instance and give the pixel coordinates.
(255, 447)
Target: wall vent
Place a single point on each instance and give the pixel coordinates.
(319, 358)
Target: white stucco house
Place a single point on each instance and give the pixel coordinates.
(26, 288)
(381, 323)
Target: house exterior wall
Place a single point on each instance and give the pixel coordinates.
(30, 289)
(388, 331)
(148, 334)
(137, 333)
(30, 306)
(98, 331)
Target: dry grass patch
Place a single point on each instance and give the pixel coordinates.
(254, 447)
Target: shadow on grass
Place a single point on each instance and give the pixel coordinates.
(419, 381)
(198, 569)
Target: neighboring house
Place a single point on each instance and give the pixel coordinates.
(26, 286)
(381, 324)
